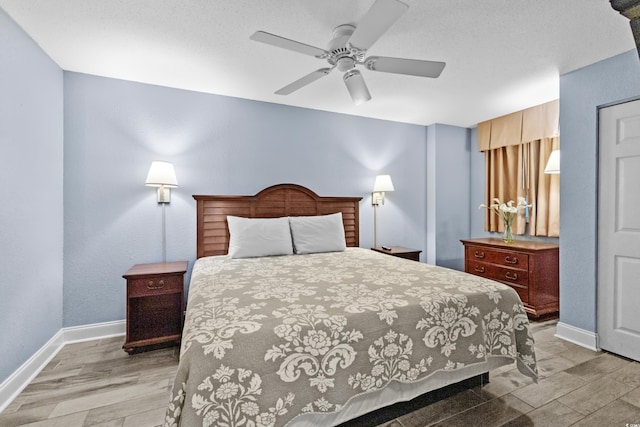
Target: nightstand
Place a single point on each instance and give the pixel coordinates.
(400, 252)
(155, 304)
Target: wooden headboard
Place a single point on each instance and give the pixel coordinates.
(272, 202)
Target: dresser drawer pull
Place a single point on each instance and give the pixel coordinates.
(152, 285)
(510, 276)
(510, 260)
(479, 254)
(479, 269)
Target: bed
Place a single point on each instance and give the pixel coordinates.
(319, 337)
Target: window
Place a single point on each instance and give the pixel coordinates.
(517, 148)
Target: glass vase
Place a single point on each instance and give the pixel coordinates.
(508, 235)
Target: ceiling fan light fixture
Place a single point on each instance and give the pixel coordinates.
(345, 63)
(356, 86)
(348, 47)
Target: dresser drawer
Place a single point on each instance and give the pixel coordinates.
(517, 279)
(494, 256)
(154, 285)
(503, 274)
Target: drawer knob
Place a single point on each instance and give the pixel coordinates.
(510, 260)
(511, 276)
(479, 254)
(152, 285)
(479, 269)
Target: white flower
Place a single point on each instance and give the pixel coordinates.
(266, 419)
(449, 316)
(413, 374)
(316, 342)
(250, 408)
(507, 211)
(367, 383)
(227, 391)
(391, 350)
(377, 370)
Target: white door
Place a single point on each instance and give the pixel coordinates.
(619, 230)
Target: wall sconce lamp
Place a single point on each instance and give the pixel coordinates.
(553, 165)
(163, 176)
(381, 185)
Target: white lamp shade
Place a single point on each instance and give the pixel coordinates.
(161, 174)
(383, 183)
(356, 86)
(553, 165)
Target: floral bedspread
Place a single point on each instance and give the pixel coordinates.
(266, 339)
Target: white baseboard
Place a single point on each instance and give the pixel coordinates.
(94, 331)
(12, 386)
(577, 336)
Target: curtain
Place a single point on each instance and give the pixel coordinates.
(544, 190)
(518, 171)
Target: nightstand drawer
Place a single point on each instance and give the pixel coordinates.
(154, 285)
(509, 259)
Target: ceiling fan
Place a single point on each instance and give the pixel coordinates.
(348, 48)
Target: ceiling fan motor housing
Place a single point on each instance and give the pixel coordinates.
(342, 56)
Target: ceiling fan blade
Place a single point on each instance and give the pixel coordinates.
(272, 39)
(300, 83)
(411, 67)
(376, 22)
(356, 86)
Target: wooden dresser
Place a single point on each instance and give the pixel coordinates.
(531, 268)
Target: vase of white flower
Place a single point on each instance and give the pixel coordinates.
(508, 213)
(508, 235)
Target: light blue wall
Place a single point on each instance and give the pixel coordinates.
(448, 194)
(219, 145)
(31, 216)
(581, 92)
(477, 190)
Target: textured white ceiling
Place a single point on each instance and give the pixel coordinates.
(501, 55)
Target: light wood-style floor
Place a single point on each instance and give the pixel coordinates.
(97, 384)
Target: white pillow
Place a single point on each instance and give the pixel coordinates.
(254, 237)
(312, 234)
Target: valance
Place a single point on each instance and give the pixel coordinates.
(541, 121)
